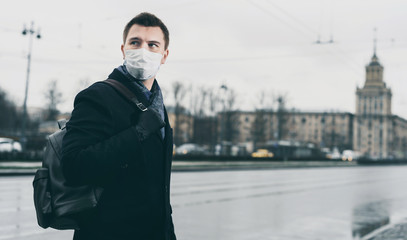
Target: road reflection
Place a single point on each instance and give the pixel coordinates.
(369, 217)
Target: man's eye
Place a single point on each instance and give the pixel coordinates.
(152, 45)
(134, 43)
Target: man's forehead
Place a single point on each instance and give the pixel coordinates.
(147, 33)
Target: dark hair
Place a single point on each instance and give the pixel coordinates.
(147, 20)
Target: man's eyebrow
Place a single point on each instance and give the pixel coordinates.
(139, 39)
(134, 38)
(153, 41)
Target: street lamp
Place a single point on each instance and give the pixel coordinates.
(30, 32)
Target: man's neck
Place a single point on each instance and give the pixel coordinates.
(149, 83)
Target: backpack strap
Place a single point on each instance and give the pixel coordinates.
(129, 95)
(62, 123)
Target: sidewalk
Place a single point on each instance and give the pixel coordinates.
(29, 168)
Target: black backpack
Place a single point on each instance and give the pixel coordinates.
(56, 203)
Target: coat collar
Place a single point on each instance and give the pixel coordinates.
(119, 76)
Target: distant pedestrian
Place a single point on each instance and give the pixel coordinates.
(128, 152)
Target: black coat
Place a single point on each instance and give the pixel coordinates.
(102, 148)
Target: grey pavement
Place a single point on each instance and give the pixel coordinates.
(337, 203)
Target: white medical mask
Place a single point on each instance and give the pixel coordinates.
(141, 63)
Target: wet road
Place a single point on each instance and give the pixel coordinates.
(290, 204)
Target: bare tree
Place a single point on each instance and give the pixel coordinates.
(213, 99)
(231, 100)
(9, 121)
(53, 97)
(259, 126)
(229, 120)
(198, 101)
(179, 92)
(282, 117)
(202, 101)
(83, 83)
(203, 104)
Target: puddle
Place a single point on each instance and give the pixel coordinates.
(369, 217)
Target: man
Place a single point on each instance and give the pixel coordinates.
(111, 144)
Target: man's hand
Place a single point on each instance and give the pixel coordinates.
(149, 122)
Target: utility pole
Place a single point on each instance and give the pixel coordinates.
(30, 32)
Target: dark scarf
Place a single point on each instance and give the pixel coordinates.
(154, 96)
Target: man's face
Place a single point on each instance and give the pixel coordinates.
(150, 38)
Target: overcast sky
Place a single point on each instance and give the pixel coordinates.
(248, 45)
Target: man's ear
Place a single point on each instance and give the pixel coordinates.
(165, 55)
(122, 48)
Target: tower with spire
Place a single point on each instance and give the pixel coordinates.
(375, 97)
(373, 116)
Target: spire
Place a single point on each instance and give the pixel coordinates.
(374, 70)
(375, 59)
(374, 41)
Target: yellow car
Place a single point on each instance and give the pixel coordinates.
(262, 153)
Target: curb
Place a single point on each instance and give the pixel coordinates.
(16, 169)
(254, 166)
(17, 172)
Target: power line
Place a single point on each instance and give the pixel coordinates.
(6, 29)
(339, 54)
(292, 17)
(271, 14)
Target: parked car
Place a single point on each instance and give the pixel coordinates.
(190, 149)
(262, 153)
(349, 155)
(9, 145)
(335, 154)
